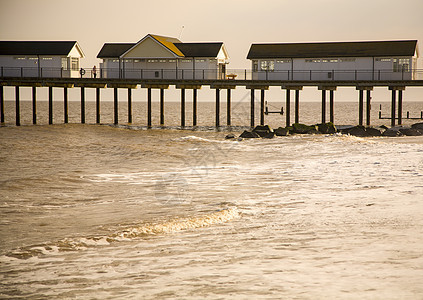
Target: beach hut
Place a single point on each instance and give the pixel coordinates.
(40, 58)
(161, 57)
(370, 60)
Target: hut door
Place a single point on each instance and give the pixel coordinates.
(222, 71)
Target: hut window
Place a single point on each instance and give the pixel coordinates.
(152, 60)
(347, 59)
(383, 59)
(267, 65)
(186, 60)
(20, 57)
(172, 60)
(255, 65)
(162, 60)
(75, 63)
(65, 63)
(200, 60)
(283, 61)
(313, 60)
(47, 58)
(334, 60)
(401, 65)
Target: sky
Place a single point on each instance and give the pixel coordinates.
(236, 23)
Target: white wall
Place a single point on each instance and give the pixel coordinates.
(359, 68)
(32, 66)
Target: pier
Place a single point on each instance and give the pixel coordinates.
(364, 89)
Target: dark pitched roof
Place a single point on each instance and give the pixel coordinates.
(36, 47)
(199, 49)
(111, 50)
(334, 49)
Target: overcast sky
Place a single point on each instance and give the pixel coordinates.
(237, 23)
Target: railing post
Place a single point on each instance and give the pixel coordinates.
(21, 72)
(246, 74)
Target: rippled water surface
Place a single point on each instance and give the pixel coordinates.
(96, 211)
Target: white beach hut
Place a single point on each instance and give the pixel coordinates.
(161, 57)
(40, 58)
(371, 60)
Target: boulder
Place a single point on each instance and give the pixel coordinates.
(262, 130)
(282, 131)
(302, 128)
(373, 131)
(357, 131)
(270, 135)
(418, 126)
(249, 135)
(326, 128)
(344, 128)
(392, 132)
(410, 131)
(230, 136)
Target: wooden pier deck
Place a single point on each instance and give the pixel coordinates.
(396, 86)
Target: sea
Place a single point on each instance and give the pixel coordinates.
(103, 211)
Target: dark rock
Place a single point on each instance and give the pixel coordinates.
(418, 126)
(229, 136)
(326, 128)
(357, 131)
(282, 131)
(302, 128)
(383, 127)
(262, 130)
(373, 131)
(392, 132)
(249, 135)
(270, 135)
(344, 128)
(411, 131)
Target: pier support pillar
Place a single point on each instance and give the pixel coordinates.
(368, 107)
(228, 108)
(393, 102)
(34, 105)
(50, 105)
(18, 109)
(331, 90)
(65, 106)
(400, 107)
(394, 90)
(148, 107)
(97, 105)
(194, 107)
(183, 107)
(129, 105)
(194, 87)
(252, 108)
(297, 90)
(82, 105)
(288, 107)
(360, 107)
(297, 106)
(361, 90)
(161, 107)
(217, 107)
(262, 107)
(115, 106)
(323, 106)
(331, 107)
(1, 104)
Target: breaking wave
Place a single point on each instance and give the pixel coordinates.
(128, 233)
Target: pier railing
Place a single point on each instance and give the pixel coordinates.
(213, 74)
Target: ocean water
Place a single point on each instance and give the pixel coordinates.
(105, 212)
